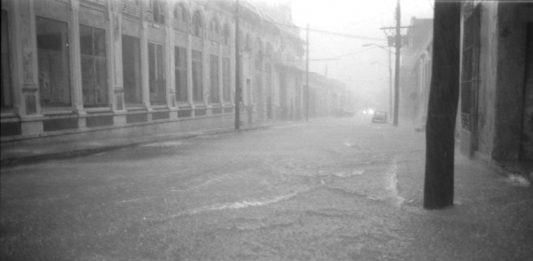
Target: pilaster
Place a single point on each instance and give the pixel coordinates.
(144, 62)
(169, 53)
(114, 45)
(75, 58)
(189, 71)
(220, 77)
(205, 70)
(25, 80)
(25, 60)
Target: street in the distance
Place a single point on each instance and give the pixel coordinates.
(337, 189)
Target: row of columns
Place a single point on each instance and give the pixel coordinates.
(25, 64)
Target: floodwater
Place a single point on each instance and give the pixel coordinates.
(337, 189)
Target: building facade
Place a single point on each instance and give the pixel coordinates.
(495, 115)
(416, 71)
(98, 68)
(328, 97)
(496, 107)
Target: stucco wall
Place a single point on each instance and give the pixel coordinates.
(487, 77)
(510, 82)
(27, 119)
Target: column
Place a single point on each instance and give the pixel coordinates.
(189, 72)
(114, 34)
(116, 86)
(221, 77)
(205, 68)
(25, 82)
(169, 53)
(144, 62)
(233, 67)
(75, 59)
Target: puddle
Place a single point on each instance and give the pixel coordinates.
(517, 180)
(164, 144)
(392, 183)
(349, 174)
(351, 145)
(242, 204)
(203, 183)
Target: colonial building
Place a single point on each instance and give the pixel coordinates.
(495, 116)
(496, 112)
(97, 68)
(416, 71)
(328, 97)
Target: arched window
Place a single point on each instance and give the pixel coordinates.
(258, 54)
(225, 34)
(247, 43)
(268, 52)
(181, 17)
(214, 29)
(198, 24)
(158, 11)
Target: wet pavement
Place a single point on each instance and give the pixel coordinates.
(339, 189)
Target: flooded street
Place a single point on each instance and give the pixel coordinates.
(236, 130)
(340, 189)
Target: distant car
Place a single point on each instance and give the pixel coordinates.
(379, 117)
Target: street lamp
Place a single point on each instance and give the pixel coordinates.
(391, 91)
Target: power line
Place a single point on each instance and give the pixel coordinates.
(329, 32)
(347, 35)
(342, 55)
(332, 58)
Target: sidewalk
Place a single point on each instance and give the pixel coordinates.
(20, 152)
(491, 218)
(475, 182)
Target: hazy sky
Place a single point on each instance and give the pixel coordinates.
(366, 71)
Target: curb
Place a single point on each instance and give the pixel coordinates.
(73, 153)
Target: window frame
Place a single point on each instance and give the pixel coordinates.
(66, 56)
(198, 24)
(158, 14)
(214, 29)
(137, 89)
(214, 76)
(226, 79)
(95, 58)
(156, 74)
(7, 91)
(226, 34)
(180, 70)
(181, 17)
(197, 76)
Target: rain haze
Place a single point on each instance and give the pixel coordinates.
(363, 68)
(266, 130)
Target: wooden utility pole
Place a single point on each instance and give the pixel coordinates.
(391, 90)
(398, 44)
(307, 76)
(442, 107)
(238, 89)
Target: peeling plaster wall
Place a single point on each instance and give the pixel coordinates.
(501, 81)
(117, 18)
(511, 52)
(487, 76)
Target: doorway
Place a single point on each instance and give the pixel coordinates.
(526, 143)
